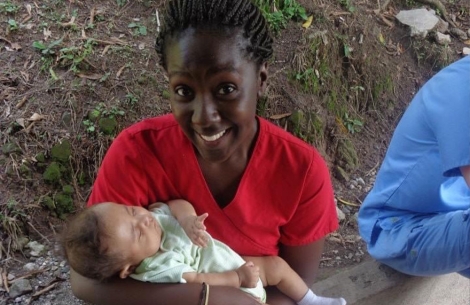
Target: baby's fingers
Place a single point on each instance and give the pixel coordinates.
(200, 221)
(201, 241)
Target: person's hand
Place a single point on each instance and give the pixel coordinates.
(195, 229)
(248, 274)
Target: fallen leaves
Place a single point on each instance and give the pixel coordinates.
(119, 72)
(308, 23)
(94, 76)
(36, 117)
(70, 23)
(28, 124)
(13, 45)
(47, 33)
(280, 116)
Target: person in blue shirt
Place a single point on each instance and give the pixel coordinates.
(416, 219)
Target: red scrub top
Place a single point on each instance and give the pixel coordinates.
(285, 195)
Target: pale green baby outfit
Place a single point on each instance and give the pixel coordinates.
(178, 255)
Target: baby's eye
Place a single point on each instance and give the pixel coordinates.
(183, 91)
(226, 89)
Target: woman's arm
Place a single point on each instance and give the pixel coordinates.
(305, 260)
(130, 292)
(227, 278)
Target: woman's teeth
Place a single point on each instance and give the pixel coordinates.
(213, 137)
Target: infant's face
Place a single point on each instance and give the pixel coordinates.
(131, 231)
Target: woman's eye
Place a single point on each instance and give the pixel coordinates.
(183, 91)
(226, 89)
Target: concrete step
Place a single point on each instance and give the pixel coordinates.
(372, 283)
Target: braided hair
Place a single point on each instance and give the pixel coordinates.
(217, 14)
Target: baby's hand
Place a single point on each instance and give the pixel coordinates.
(196, 230)
(248, 275)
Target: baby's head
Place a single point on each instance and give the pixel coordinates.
(110, 239)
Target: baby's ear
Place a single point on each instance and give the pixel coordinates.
(126, 271)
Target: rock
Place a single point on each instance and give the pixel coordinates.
(340, 214)
(20, 287)
(466, 51)
(468, 32)
(67, 119)
(346, 210)
(420, 21)
(442, 39)
(458, 33)
(442, 26)
(355, 217)
(361, 181)
(36, 248)
(30, 267)
(20, 243)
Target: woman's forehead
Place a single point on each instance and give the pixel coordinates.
(202, 49)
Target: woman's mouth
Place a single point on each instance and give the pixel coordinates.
(214, 137)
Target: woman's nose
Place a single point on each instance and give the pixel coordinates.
(205, 111)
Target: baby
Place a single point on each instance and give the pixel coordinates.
(169, 243)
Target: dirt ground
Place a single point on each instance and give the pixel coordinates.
(74, 73)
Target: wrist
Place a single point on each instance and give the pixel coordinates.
(238, 278)
(186, 221)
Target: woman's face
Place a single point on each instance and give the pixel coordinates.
(214, 90)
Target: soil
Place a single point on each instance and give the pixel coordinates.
(341, 84)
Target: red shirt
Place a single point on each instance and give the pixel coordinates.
(285, 195)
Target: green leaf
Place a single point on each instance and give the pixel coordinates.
(347, 51)
(54, 76)
(39, 45)
(143, 30)
(55, 43)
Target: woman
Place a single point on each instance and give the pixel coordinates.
(268, 193)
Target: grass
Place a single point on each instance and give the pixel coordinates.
(11, 222)
(279, 12)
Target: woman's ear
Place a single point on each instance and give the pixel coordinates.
(262, 79)
(126, 271)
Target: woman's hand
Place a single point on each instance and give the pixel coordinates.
(248, 274)
(195, 229)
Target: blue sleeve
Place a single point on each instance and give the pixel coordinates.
(447, 101)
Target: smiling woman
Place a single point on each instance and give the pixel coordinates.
(214, 152)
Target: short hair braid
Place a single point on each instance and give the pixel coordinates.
(237, 14)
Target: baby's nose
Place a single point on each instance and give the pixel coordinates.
(144, 220)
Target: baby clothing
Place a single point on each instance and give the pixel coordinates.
(178, 255)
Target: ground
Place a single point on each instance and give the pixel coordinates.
(75, 73)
